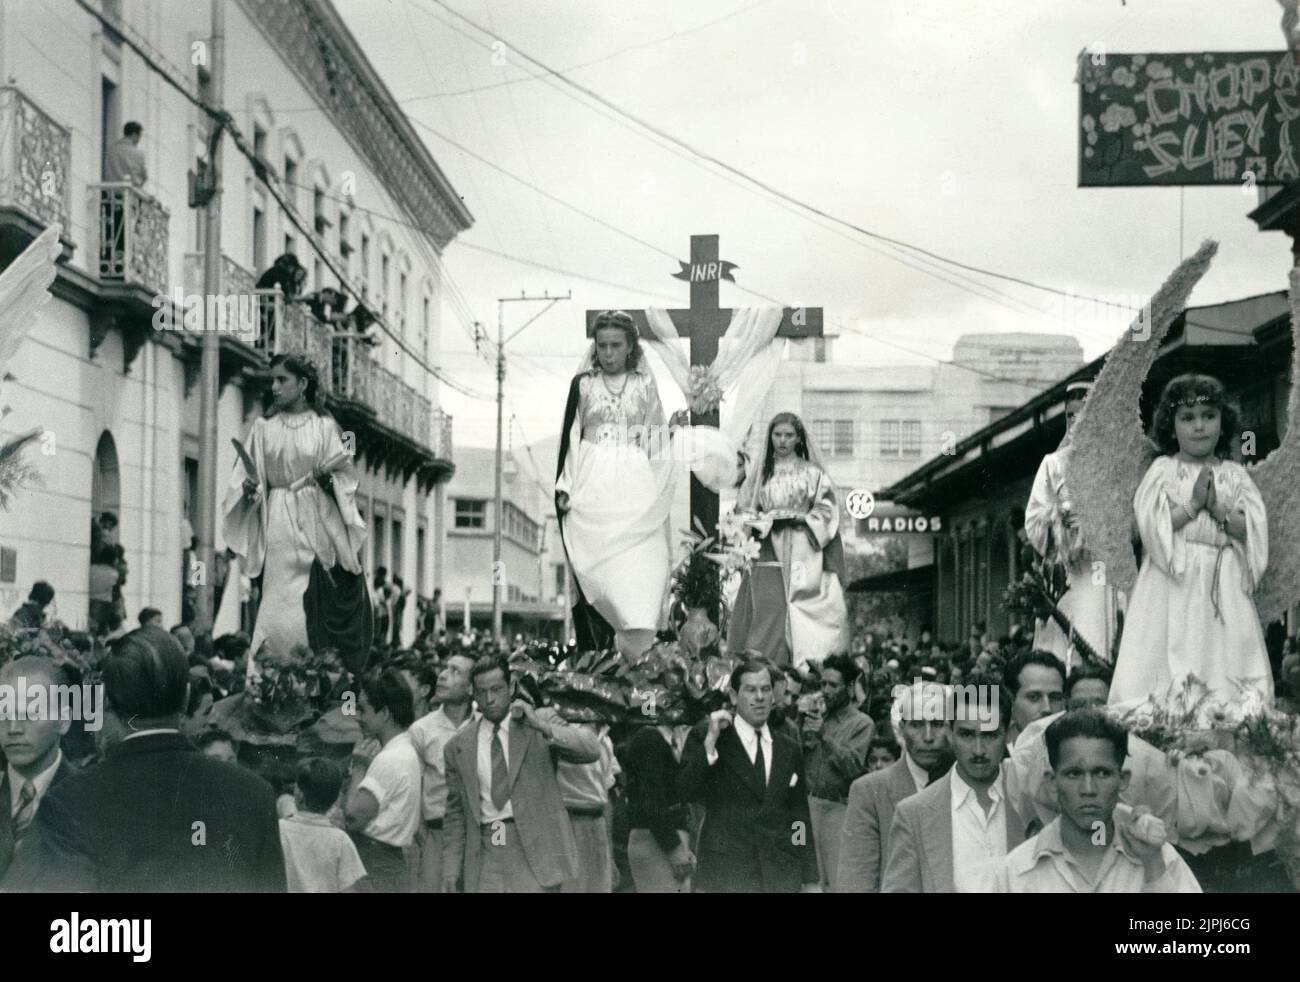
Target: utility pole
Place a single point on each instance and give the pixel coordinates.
(211, 359)
(498, 571)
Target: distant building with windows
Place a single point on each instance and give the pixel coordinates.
(531, 587)
(875, 424)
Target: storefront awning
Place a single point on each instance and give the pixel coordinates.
(896, 580)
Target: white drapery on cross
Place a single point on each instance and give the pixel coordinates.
(748, 358)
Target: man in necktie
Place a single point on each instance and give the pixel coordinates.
(506, 829)
(33, 759)
(757, 835)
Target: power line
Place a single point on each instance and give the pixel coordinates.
(528, 77)
(743, 175)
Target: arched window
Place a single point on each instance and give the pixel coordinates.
(106, 487)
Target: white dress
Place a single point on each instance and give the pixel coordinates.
(1090, 605)
(1191, 610)
(279, 536)
(620, 501)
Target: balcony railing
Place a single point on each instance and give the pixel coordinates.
(132, 236)
(346, 366)
(35, 160)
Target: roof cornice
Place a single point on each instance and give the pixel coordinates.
(321, 51)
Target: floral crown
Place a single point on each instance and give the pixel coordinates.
(1197, 400)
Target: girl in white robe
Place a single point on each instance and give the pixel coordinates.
(1205, 542)
(790, 606)
(614, 491)
(275, 531)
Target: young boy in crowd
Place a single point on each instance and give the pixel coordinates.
(319, 857)
(217, 743)
(881, 752)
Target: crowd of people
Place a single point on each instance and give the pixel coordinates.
(837, 777)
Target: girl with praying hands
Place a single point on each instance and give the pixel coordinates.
(1205, 541)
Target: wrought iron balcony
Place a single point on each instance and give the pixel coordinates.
(131, 241)
(35, 161)
(273, 326)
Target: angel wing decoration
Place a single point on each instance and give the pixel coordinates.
(1111, 452)
(24, 288)
(1277, 478)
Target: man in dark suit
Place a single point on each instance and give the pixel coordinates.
(757, 834)
(33, 762)
(953, 836)
(506, 829)
(155, 814)
(864, 844)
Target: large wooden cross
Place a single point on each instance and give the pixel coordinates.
(703, 323)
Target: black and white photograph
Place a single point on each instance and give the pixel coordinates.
(744, 447)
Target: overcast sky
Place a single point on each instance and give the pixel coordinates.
(948, 125)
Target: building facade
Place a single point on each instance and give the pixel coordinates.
(532, 581)
(875, 424)
(119, 397)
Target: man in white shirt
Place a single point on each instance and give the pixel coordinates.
(382, 809)
(1094, 846)
(919, 726)
(952, 836)
(31, 751)
(430, 735)
(124, 161)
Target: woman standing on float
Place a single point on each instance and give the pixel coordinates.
(278, 523)
(614, 487)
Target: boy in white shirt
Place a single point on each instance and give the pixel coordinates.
(319, 857)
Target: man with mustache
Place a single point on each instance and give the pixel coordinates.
(953, 836)
(864, 843)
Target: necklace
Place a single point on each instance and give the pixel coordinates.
(303, 418)
(605, 381)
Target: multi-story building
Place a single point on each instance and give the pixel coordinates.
(531, 588)
(118, 397)
(875, 424)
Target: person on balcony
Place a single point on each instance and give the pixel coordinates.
(124, 162)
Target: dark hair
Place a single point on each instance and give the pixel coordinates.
(845, 665)
(623, 322)
(200, 686)
(41, 593)
(146, 675)
(214, 734)
(1091, 723)
(321, 782)
(306, 370)
(148, 614)
(1035, 656)
(1199, 388)
(424, 672)
(1087, 670)
(132, 128)
(800, 447)
(108, 520)
(989, 683)
(748, 666)
(885, 743)
(487, 663)
(388, 690)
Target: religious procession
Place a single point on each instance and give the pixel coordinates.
(979, 572)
